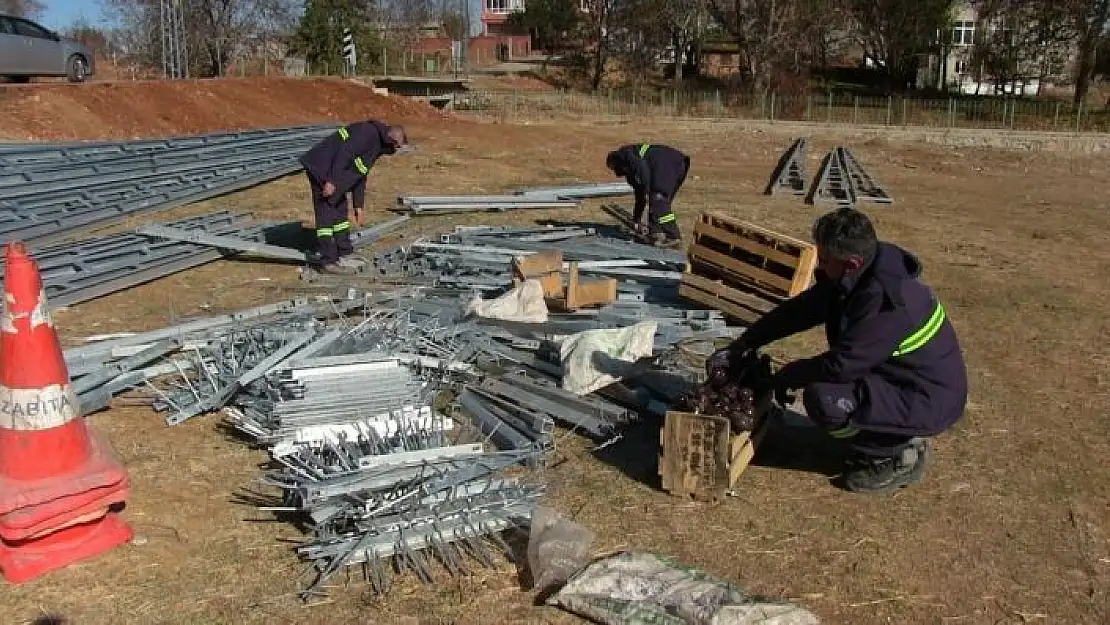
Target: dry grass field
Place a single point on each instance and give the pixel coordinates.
(1012, 524)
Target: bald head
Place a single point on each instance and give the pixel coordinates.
(397, 136)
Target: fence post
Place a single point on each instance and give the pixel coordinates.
(889, 108)
(1056, 117)
(717, 102)
(951, 112)
(828, 107)
(855, 110)
(809, 106)
(1013, 114)
(772, 106)
(1078, 116)
(905, 111)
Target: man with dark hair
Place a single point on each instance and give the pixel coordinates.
(656, 173)
(894, 372)
(338, 165)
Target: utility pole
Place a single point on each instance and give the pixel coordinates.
(175, 57)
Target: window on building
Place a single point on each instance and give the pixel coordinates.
(961, 67)
(963, 33)
(503, 6)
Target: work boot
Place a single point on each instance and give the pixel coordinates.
(884, 475)
(661, 239)
(337, 269)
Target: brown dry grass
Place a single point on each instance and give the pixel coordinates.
(1009, 527)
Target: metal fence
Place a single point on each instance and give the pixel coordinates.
(980, 113)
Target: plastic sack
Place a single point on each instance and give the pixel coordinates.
(640, 588)
(597, 358)
(557, 549)
(523, 303)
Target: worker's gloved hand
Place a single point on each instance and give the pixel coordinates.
(724, 360)
(329, 189)
(784, 384)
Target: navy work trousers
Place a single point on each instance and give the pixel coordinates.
(333, 229)
(831, 406)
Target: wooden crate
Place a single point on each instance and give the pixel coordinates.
(700, 458)
(742, 269)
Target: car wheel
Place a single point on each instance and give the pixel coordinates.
(78, 69)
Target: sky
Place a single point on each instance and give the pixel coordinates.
(60, 14)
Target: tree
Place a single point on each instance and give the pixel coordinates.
(598, 30)
(895, 33)
(767, 32)
(551, 22)
(319, 36)
(658, 25)
(1020, 40)
(22, 8)
(215, 31)
(1091, 19)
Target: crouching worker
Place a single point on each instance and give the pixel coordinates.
(656, 173)
(894, 373)
(339, 164)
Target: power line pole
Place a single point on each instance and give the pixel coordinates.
(175, 57)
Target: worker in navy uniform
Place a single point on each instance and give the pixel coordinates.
(656, 173)
(338, 165)
(894, 373)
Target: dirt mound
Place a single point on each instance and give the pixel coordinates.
(123, 110)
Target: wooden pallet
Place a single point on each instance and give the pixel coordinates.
(742, 269)
(700, 458)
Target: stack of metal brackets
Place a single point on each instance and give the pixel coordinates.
(52, 191)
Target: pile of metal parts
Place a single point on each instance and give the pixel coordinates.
(479, 257)
(402, 433)
(542, 197)
(84, 270)
(840, 180)
(50, 191)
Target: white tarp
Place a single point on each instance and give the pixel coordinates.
(595, 359)
(641, 588)
(524, 303)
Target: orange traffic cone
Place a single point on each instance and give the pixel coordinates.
(56, 481)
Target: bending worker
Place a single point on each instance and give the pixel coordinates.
(338, 165)
(656, 173)
(894, 372)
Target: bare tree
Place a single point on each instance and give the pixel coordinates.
(1091, 19)
(599, 25)
(766, 31)
(1020, 40)
(895, 33)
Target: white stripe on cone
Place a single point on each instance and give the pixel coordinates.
(37, 408)
(40, 314)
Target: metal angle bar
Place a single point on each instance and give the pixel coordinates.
(464, 207)
(222, 242)
(108, 372)
(59, 229)
(601, 189)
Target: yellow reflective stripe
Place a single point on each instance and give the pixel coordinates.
(643, 149)
(324, 232)
(847, 431)
(923, 335)
(341, 226)
(666, 219)
(360, 166)
(344, 134)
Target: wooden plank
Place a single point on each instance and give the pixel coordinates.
(804, 275)
(743, 271)
(748, 245)
(751, 227)
(538, 264)
(726, 291)
(732, 310)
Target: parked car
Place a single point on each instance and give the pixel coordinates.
(28, 50)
